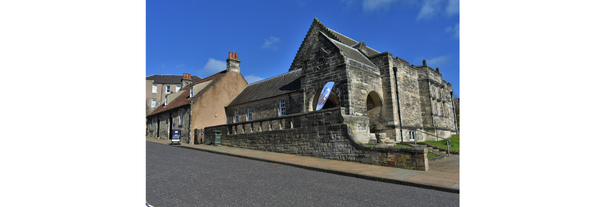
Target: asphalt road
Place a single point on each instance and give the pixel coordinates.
(185, 177)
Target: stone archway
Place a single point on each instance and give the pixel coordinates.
(332, 101)
(374, 111)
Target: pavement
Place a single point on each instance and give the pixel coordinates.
(443, 174)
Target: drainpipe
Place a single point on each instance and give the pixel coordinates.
(398, 104)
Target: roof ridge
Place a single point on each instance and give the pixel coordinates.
(274, 77)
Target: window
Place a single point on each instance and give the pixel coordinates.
(191, 92)
(153, 102)
(437, 92)
(154, 88)
(178, 88)
(167, 89)
(166, 100)
(249, 115)
(234, 115)
(282, 107)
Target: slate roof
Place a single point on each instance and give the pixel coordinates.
(170, 79)
(348, 41)
(352, 53)
(270, 87)
(184, 98)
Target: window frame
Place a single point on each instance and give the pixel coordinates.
(191, 92)
(167, 89)
(249, 115)
(282, 107)
(154, 88)
(153, 102)
(178, 88)
(234, 115)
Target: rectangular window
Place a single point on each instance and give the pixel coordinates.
(154, 88)
(178, 88)
(166, 100)
(234, 115)
(282, 107)
(153, 102)
(249, 115)
(167, 89)
(191, 92)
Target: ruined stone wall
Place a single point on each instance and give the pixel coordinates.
(436, 107)
(324, 134)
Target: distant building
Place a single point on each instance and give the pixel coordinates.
(197, 105)
(158, 86)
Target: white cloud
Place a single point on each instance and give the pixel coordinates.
(252, 78)
(430, 9)
(271, 43)
(376, 5)
(437, 61)
(452, 8)
(455, 30)
(180, 65)
(214, 66)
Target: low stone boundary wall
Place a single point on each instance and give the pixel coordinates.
(323, 134)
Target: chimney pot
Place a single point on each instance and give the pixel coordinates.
(236, 56)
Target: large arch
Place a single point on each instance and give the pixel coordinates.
(332, 101)
(374, 111)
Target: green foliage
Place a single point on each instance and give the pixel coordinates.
(431, 155)
(454, 144)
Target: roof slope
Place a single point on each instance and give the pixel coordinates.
(184, 98)
(271, 87)
(170, 79)
(314, 30)
(352, 53)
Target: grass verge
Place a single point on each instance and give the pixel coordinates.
(454, 143)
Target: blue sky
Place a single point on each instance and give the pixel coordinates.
(196, 36)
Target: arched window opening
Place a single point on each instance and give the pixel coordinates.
(330, 103)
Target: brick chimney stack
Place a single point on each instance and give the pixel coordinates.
(186, 80)
(233, 62)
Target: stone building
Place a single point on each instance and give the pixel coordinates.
(198, 104)
(158, 86)
(381, 93)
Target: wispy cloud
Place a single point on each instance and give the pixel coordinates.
(271, 43)
(370, 6)
(452, 8)
(252, 78)
(455, 30)
(214, 66)
(430, 9)
(180, 65)
(163, 65)
(437, 61)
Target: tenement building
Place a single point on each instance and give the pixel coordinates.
(158, 86)
(197, 105)
(377, 92)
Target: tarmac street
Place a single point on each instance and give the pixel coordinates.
(178, 176)
(443, 174)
